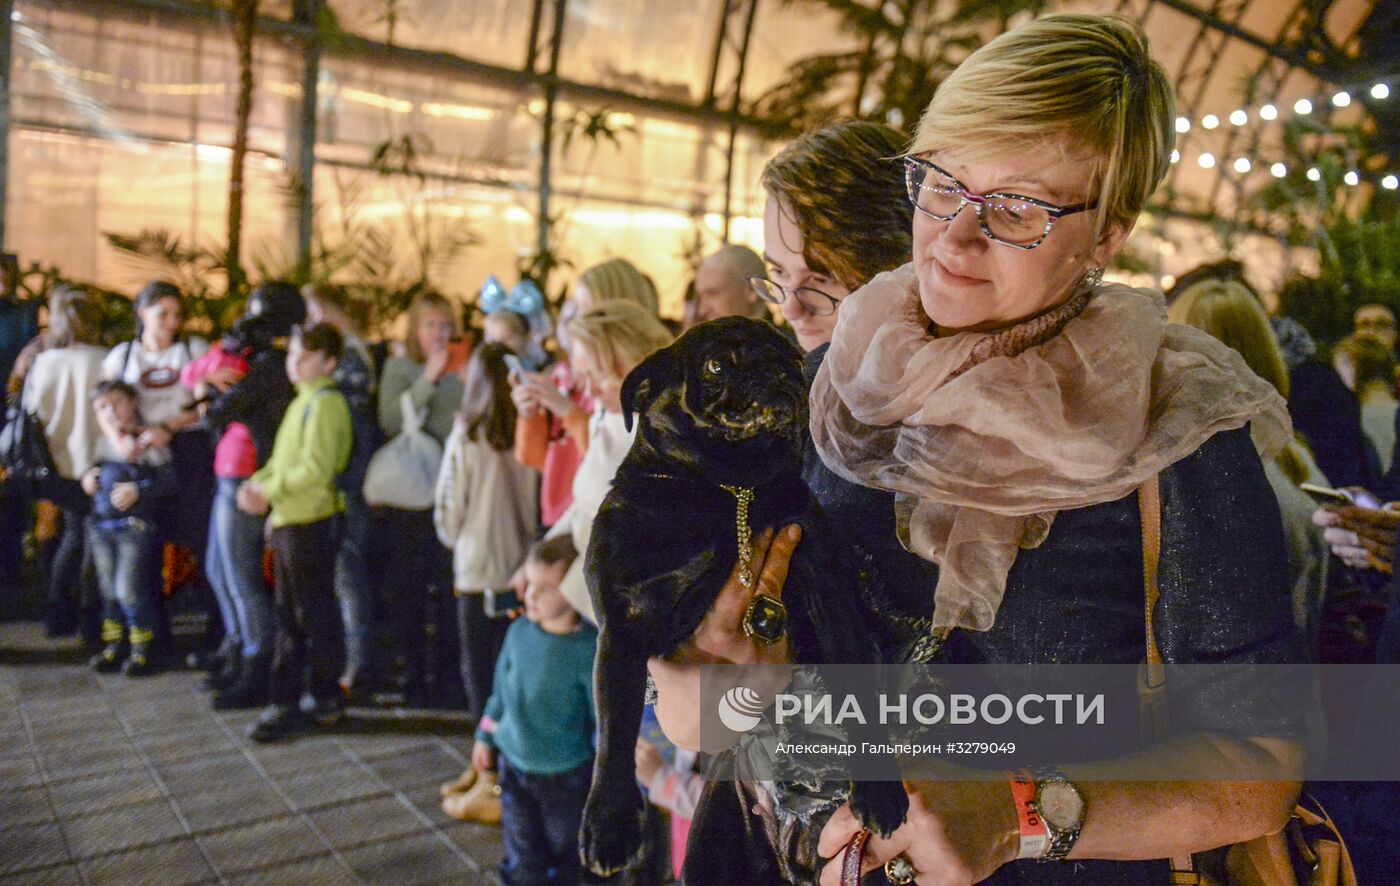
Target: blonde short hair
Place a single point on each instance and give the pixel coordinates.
(618, 335)
(1087, 81)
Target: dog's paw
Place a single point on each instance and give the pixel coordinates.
(880, 806)
(611, 836)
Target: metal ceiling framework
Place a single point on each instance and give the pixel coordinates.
(1217, 25)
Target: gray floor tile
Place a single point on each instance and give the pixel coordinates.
(59, 875)
(312, 751)
(264, 843)
(170, 746)
(482, 843)
(24, 806)
(76, 762)
(169, 864)
(420, 858)
(221, 806)
(124, 828)
(330, 786)
(100, 793)
(417, 767)
(323, 871)
(20, 771)
(31, 846)
(365, 821)
(220, 767)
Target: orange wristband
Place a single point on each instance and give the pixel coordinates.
(1035, 835)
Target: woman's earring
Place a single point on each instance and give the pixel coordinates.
(1094, 277)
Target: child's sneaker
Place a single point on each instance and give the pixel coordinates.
(138, 663)
(277, 722)
(109, 660)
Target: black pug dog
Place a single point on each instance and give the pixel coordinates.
(725, 405)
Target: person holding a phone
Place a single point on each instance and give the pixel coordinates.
(486, 510)
(412, 554)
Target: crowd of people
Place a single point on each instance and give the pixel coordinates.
(410, 517)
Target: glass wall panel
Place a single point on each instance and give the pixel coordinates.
(785, 33)
(122, 124)
(656, 48)
(492, 32)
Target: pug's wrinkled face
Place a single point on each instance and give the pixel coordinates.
(726, 394)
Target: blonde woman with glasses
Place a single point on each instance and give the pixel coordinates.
(1015, 404)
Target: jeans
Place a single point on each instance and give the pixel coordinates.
(308, 625)
(352, 584)
(127, 557)
(540, 819)
(479, 640)
(233, 564)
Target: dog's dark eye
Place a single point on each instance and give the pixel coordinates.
(713, 368)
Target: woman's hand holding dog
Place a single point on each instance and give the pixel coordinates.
(720, 640)
(957, 832)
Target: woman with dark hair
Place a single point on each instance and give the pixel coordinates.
(243, 412)
(58, 389)
(486, 510)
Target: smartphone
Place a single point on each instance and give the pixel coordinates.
(459, 351)
(502, 603)
(1326, 495)
(517, 369)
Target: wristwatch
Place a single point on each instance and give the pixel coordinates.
(1061, 807)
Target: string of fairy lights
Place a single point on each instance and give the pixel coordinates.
(1303, 107)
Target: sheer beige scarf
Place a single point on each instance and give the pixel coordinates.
(983, 444)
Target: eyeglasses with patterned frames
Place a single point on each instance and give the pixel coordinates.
(814, 300)
(1010, 219)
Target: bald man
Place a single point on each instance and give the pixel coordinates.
(722, 288)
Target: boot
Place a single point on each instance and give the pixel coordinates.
(278, 722)
(481, 804)
(139, 663)
(224, 671)
(114, 650)
(250, 690)
(460, 784)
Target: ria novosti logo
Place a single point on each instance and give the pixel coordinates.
(740, 709)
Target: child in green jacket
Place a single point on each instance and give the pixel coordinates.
(298, 486)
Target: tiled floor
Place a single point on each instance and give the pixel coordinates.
(109, 780)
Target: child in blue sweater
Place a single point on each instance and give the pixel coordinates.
(126, 486)
(538, 729)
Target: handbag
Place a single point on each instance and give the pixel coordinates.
(1309, 850)
(403, 474)
(29, 466)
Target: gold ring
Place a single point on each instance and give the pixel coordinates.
(766, 619)
(900, 871)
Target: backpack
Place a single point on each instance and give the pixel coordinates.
(403, 474)
(29, 465)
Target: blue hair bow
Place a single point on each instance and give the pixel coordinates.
(525, 299)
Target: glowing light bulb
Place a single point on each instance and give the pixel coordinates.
(1303, 106)
(1314, 175)
(1390, 182)
(1352, 178)
(1210, 121)
(1207, 160)
(1242, 165)
(1239, 118)
(1380, 90)
(1176, 155)
(1278, 170)
(1268, 112)
(1183, 125)
(1342, 99)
